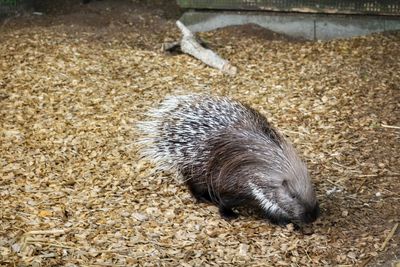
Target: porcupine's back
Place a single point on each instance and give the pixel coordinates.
(177, 135)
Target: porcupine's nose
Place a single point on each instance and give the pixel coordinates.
(311, 214)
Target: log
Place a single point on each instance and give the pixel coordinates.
(189, 44)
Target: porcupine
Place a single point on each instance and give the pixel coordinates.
(229, 154)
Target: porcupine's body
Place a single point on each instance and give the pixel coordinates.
(229, 154)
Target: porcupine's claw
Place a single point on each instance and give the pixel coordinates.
(227, 213)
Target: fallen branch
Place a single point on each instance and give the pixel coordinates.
(191, 45)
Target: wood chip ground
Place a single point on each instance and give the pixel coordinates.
(73, 192)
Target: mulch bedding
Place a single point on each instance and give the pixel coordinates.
(73, 191)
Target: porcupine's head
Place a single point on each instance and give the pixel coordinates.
(283, 189)
(262, 170)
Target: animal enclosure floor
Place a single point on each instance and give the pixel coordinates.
(74, 193)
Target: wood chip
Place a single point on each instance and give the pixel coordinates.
(73, 191)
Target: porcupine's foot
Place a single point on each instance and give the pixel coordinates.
(227, 213)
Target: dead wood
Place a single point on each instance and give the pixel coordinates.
(194, 46)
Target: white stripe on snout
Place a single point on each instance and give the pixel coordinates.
(266, 204)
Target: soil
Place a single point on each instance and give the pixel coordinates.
(102, 20)
(368, 203)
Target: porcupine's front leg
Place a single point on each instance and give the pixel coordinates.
(200, 194)
(203, 196)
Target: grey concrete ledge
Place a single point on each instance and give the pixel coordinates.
(308, 26)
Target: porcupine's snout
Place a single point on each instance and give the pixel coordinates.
(311, 214)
